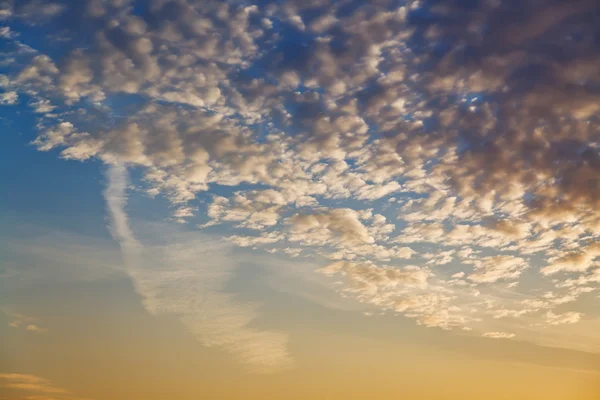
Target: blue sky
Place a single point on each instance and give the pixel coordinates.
(40, 186)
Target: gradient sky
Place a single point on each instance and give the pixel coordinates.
(299, 199)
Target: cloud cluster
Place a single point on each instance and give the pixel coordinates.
(463, 136)
(27, 323)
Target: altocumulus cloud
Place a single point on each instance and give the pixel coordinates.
(431, 153)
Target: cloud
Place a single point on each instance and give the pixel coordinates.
(115, 196)
(5, 32)
(35, 328)
(408, 291)
(371, 278)
(56, 256)
(186, 276)
(578, 261)
(462, 136)
(20, 321)
(570, 317)
(499, 335)
(9, 98)
(339, 227)
(35, 387)
(492, 269)
(35, 10)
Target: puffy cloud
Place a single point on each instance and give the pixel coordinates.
(371, 278)
(403, 290)
(578, 261)
(570, 317)
(492, 269)
(340, 227)
(9, 98)
(511, 146)
(252, 209)
(582, 280)
(55, 137)
(249, 241)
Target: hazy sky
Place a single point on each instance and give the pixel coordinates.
(299, 199)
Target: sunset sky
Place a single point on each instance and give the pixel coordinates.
(299, 199)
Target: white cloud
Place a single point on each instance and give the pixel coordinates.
(9, 98)
(186, 277)
(24, 322)
(499, 335)
(577, 261)
(34, 387)
(312, 144)
(340, 227)
(35, 328)
(404, 290)
(570, 317)
(492, 269)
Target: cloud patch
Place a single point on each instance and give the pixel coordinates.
(186, 276)
(34, 387)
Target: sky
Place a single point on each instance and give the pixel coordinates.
(299, 199)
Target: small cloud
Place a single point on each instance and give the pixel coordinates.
(9, 98)
(35, 387)
(5, 31)
(25, 322)
(35, 328)
(499, 335)
(570, 317)
(29, 383)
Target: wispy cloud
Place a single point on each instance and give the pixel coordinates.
(25, 322)
(185, 275)
(34, 387)
(115, 195)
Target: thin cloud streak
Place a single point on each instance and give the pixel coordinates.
(116, 199)
(35, 387)
(186, 277)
